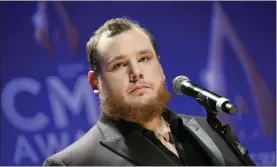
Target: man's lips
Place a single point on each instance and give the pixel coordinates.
(139, 87)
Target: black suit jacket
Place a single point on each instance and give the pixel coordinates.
(105, 144)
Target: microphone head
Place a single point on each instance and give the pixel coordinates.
(177, 82)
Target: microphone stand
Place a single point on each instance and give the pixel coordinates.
(226, 134)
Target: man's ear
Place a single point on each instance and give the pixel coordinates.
(92, 79)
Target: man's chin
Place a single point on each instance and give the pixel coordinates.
(143, 100)
(137, 107)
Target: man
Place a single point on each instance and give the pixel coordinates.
(135, 126)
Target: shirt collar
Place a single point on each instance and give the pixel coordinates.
(170, 118)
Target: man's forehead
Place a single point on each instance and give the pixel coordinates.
(133, 40)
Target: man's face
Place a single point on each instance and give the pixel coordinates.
(131, 80)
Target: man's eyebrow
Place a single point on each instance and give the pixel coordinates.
(114, 58)
(120, 57)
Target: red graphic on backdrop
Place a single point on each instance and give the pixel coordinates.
(41, 31)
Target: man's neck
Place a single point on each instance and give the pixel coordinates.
(154, 124)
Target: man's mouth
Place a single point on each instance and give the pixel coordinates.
(139, 87)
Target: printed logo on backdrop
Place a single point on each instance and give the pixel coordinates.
(45, 133)
(213, 77)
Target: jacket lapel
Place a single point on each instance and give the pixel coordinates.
(204, 140)
(138, 149)
(134, 147)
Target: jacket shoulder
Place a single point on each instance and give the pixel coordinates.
(53, 161)
(78, 152)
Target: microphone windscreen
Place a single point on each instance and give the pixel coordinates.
(177, 82)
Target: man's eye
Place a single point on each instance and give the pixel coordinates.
(143, 59)
(118, 65)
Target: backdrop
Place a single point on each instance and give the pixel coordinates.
(47, 103)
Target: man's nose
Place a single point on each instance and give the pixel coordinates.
(135, 73)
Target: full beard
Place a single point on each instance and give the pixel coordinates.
(116, 107)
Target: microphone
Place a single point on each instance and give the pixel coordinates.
(210, 100)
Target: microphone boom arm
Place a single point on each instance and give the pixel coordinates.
(228, 136)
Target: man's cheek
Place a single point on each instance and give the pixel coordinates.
(118, 89)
